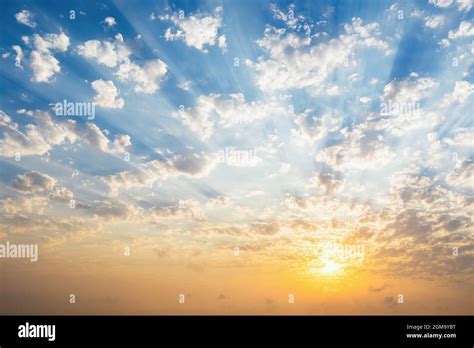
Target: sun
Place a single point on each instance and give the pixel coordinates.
(330, 267)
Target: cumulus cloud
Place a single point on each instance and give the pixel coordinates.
(441, 3)
(33, 182)
(25, 17)
(310, 128)
(462, 177)
(110, 21)
(115, 54)
(434, 22)
(292, 61)
(326, 183)
(199, 30)
(226, 111)
(461, 93)
(41, 136)
(465, 29)
(358, 150)
(408, 90)
(42, 62)
(106, 94)
(146, 174)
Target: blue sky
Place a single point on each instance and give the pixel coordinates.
(258, 116)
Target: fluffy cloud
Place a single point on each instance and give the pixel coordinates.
(461, 93)
(25, 17)
(296, 62)
(465, 5)
(43, 64)
(311, 128)
(359, 150)
(199, 31)
(106, 94)
(146, 174)
(409, 90)
(465, 29)
(108, 53)
(326, 183)
(110, 21)
(463, 176)
(115, 54)
(39, 137)
(33, 182)
(225, 111)
(441, 3)
(434, 22)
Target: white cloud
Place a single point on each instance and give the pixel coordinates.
(33, 182)
(197, 30)
(106, 94)
(147, 77)
(441, 3)
(461, 93)
(462, 177)
(41, 136)
(115, 54)
(465, 29)
(42, 62)
(186, 85)
(295, 62)
(310, 128)
(326, 183)
(434, 22)
(226, 111)
(25, 17)
(144, 175)
(110, 21)
(409, 90)
(108, 53)
(465, 5)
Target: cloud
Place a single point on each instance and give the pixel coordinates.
(226, 111)
(358, 150)
(291, 61)
(461, 93)
(326, 183)
(41, 136)
(108, 53)
(434, 22)
(311, 128)
(115, 54)
(25, 17)
(106, 94)
(146, 174)
(147, 77)
(33, 182)
(408, 90)
(441, 3)
(465, 5)
(110, 21)
(462, 177)
(199, 30)
(465, 29)
(43, 64)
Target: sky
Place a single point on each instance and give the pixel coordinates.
(237, 157)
